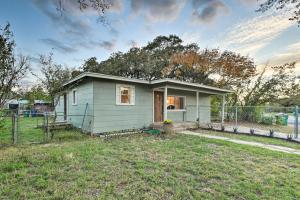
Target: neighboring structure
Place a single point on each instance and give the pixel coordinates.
(41, 106)
(14, 104)
(102, 103)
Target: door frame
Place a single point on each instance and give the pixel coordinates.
(153, 102)
(65, 104)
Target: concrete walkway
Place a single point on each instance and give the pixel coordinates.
(256, 144)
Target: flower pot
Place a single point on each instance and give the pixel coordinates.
(168, 128)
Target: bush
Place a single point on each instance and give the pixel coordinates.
(268, 120)
(258, 113)
(280, 120)
(168, 121)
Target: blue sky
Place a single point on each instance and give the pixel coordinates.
(75, 36)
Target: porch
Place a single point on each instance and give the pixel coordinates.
(186, 105)
(178, 126)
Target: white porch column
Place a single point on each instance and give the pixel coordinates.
(165, 103)
(197, 106)
(223, 108)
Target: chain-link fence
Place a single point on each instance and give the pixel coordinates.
(262, 120)
(33, 127)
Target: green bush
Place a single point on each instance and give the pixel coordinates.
(258, 113)
(268, 120)
(280, 120)
(168, 121)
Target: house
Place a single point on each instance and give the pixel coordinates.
(100, 103)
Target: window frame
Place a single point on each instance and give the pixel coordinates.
(131, 94)
(184, 103)
(76, 97)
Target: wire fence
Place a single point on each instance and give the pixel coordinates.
(263, 120)
(33, 127)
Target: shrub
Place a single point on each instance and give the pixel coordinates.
(268, 120)
(168, 121)
(258, 113)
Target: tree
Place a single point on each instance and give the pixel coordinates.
(99, 6)
(36, 92)
(12, 68)
(53, 76)
(279, 82)
(145, 63)
(281, 4)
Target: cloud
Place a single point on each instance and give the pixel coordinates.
(157, 10)
(59, 46)
(250, 36)
(69, 21)
(290, 54)
(116, 5)
(249, 2)
(205, 11)
(108, 45)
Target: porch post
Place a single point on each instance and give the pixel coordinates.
(197, 106)
(165, 103)
(223, 108)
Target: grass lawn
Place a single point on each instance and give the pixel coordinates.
(253, 138)
(27, 130)
(146, 167)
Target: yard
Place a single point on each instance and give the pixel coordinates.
(146, 167)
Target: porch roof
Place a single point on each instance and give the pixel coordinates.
(155, 83)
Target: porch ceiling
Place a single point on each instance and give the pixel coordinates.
(191, 87)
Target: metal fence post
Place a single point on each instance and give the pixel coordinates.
(296, 123)
(46, 127)
(223, 109)
(15, 128)
(236, 113)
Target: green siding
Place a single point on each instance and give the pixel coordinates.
(76, 112)
(103, 115)
(190, 113)
(112, 117)
(204, 108)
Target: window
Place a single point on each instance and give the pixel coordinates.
(74, 97)
(125, 94)
(175, 103)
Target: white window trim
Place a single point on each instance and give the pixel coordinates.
(118, 95)
(177, 110)
(76, 97)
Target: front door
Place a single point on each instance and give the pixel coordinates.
(65, 107)
(158, 106)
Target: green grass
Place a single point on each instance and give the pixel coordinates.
(147, 167)
(265, 140)
(27, 131)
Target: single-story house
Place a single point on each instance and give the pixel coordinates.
(99, 103)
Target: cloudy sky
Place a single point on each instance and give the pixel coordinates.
(73, 36)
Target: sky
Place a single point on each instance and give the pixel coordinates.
(74, 36)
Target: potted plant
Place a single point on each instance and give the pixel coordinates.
(168, 126)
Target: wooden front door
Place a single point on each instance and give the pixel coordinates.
(65, 107)
(158, 106)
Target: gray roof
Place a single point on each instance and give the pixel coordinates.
(134, 80)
